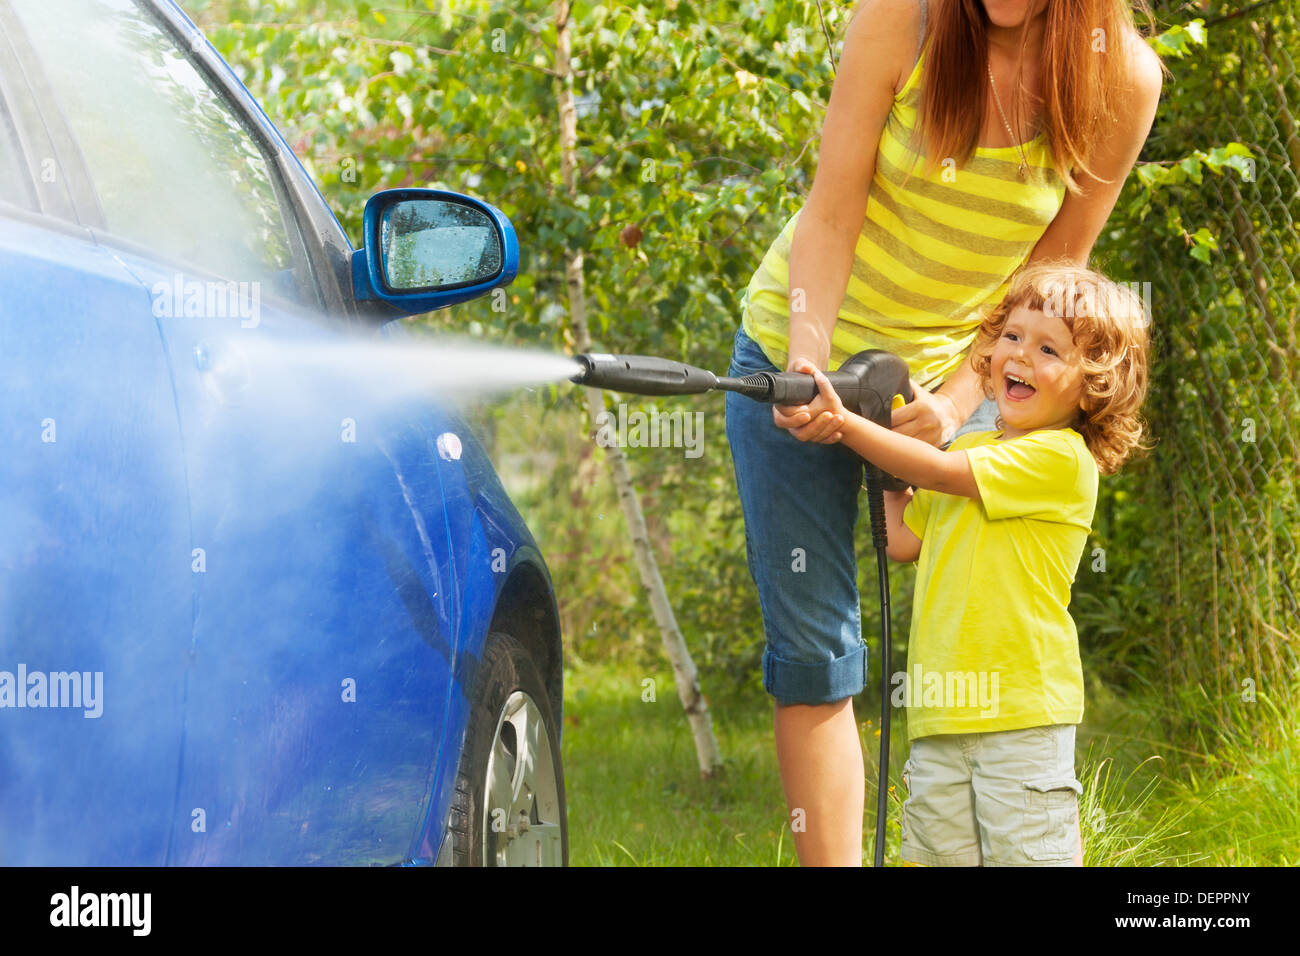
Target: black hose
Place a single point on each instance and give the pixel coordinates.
(880, 539)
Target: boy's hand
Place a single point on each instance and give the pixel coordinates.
(821, 418)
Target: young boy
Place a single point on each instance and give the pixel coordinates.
(994, 686)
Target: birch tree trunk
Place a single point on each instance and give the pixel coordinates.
(684, 672)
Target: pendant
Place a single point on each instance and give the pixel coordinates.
(1023, 172)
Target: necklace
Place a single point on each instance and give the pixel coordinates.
(1024, 171)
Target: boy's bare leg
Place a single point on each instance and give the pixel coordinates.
(820, 757)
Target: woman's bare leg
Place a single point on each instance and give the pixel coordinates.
(820, 757)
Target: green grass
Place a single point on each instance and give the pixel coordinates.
(1223, 798)
(635, 796)
(634, 791)
(633, 787)
(1243, 798)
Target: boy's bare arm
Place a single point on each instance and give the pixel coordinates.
(903, 545)
(916, 462)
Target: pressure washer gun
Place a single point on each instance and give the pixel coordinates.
(870, 384)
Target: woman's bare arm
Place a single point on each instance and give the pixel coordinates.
(1080, 219)
(879, 53)
(879, 46)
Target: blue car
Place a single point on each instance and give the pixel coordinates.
(261, 602)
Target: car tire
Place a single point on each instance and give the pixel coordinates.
(508, 805)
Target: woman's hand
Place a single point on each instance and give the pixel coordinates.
(820, 419)
(930, 416)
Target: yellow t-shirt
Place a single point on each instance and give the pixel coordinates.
(993, 646)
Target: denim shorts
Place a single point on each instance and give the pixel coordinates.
(800, 504)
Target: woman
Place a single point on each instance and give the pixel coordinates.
(962, 139)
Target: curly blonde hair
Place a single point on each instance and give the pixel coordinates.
(1108, 326)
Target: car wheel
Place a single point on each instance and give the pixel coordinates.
(508, 806)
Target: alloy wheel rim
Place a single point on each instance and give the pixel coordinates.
(521, 806)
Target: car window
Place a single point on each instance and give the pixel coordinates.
(13, 180)
(174, 168)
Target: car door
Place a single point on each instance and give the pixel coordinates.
(95, 589)
(318, 658)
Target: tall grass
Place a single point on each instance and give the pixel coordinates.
(1243, 797)
(1123, 822)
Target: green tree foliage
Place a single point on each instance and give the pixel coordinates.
(698, 127)
(1199, 594)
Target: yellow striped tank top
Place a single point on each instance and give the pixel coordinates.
(933, 257)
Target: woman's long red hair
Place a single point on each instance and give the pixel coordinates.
(1083, 72)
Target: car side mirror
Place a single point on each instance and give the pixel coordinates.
(427, 249)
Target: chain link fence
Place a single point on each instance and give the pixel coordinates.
(1211, 516)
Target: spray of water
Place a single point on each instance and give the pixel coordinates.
(445, 370)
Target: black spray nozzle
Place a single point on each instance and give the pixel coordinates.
(866, 383)
(643, 375)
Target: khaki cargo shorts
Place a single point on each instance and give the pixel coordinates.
(1005, 798)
